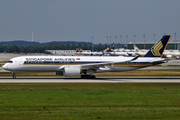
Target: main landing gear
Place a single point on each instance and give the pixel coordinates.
(88, 76)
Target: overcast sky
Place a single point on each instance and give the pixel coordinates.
(79, 20)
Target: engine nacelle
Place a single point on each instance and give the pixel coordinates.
(58, 73)
(71, 71)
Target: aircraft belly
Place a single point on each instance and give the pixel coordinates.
(38, 68)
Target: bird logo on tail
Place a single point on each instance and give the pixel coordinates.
(157, 48)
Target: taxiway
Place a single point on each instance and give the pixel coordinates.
(97, 80)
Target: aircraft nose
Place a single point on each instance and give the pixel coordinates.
(5, 67)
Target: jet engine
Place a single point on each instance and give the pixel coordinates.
(71, 71)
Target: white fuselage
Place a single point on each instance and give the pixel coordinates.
(55, 63)
(117, 53)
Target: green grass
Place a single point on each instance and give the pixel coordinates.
(89, 101)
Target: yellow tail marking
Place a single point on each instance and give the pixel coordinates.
(156, 49)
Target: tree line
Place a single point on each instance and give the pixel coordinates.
(41, 48)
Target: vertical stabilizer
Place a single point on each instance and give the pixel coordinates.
(158, 49)
(108, 49)
(136, 49)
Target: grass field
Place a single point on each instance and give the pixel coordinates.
(88, 101)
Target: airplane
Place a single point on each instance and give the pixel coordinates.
(175, 54)
(81, 52)
(86, 66)
(167, 54)
(138, 51)
(109, 51)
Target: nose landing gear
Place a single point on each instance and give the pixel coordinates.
(14, 76)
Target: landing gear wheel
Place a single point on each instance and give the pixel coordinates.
(83, 76)
(93, 77)
(88, 76)
(14, 76)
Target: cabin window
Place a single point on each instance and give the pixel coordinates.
(10, 61)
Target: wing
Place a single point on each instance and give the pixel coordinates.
(97, 65)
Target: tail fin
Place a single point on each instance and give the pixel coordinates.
(108, 49)
(158, 49)
(78, 50)
(136, 49)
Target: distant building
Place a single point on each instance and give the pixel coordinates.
(64, 52)
(148, 45)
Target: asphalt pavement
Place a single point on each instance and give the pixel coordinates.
(97, 80)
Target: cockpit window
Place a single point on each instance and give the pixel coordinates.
(10, 61)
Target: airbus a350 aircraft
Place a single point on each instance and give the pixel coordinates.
(71, 66)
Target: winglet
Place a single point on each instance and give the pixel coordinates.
(136, 57)
(158, 49)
